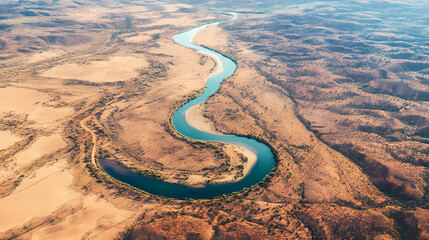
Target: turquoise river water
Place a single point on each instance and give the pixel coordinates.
(265, 159)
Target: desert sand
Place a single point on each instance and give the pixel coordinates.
(84, 80)
(115, 69)
(20, 99)
(42, 146)
(30, 102)
(38, 195)
(138, 38)
(7, 139)
(95, 213)
(45, 55)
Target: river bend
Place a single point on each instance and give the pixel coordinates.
(265, 159)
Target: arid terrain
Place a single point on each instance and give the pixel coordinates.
(339, 91)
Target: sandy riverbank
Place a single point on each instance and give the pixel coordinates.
(195, 118)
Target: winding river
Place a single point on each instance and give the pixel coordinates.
(265, 159)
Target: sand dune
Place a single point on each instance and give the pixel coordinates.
(20, 99)
(29, 101)
(7, 139)
(37, 196)
(44, 145)
(95, 213)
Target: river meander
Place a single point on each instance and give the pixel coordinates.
(265, 159)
